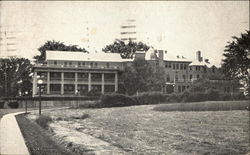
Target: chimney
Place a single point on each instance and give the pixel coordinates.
(198, 56)
(160, 54)
(140, 55)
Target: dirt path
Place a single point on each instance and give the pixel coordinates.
(90, 144)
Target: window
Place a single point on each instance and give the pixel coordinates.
(177, 66)
(55, 62)
(190, 68)
(181, 66)
(166, 65)
(65, 63)
(190, 76)
(185, 66)
(184, 77)
(169, 65)
(176, 77)
(96, 64)
(173, 66)
(197, 76)
(83, 63)
(70, 63)
(79, 64)
(91, 64)
(107, 64)
(168, 78)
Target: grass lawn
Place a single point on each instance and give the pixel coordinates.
(205, 106)
(142, 130)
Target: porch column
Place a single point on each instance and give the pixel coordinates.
(76, 79)
(116, 81)
(102, 83)
(89, 82)
(48, 82)
(62, 83)
(34, 89)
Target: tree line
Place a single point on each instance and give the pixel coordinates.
(16, 73)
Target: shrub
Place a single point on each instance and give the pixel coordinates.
(239, 96)
(212, 95)
(93, 104)
(93, 93)
(43, 121)
(150, 98)
(1, 105)
(173, 98)
(226, 97)
(116, 100)
(13, 105)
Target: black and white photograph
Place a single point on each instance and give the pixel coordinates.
(124, 77)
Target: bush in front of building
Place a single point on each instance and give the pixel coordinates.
(150, 98)
(212, 95)
(43, 121)
(173, 97)
(1, 104)
(13, 104)
(117, 100)
(230, 97)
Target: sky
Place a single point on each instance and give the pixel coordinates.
(180, 27)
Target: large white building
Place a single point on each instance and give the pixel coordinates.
(77, 73)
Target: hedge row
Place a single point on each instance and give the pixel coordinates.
(119, 100)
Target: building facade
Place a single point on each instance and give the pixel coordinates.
(77, 73)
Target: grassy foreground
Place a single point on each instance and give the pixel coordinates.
(38, 140)
(205, 106)
(141, 130)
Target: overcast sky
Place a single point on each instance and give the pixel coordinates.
(181, 28)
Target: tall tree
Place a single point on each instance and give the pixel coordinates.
(54, 46)
(142, 77)
(126, 50)
(236, 63)
(15, 75)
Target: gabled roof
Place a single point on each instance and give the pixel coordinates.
(81, 56)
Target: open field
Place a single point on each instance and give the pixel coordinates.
(205, 106)
(139, 129)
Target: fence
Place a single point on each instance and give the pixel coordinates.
(33, 102)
